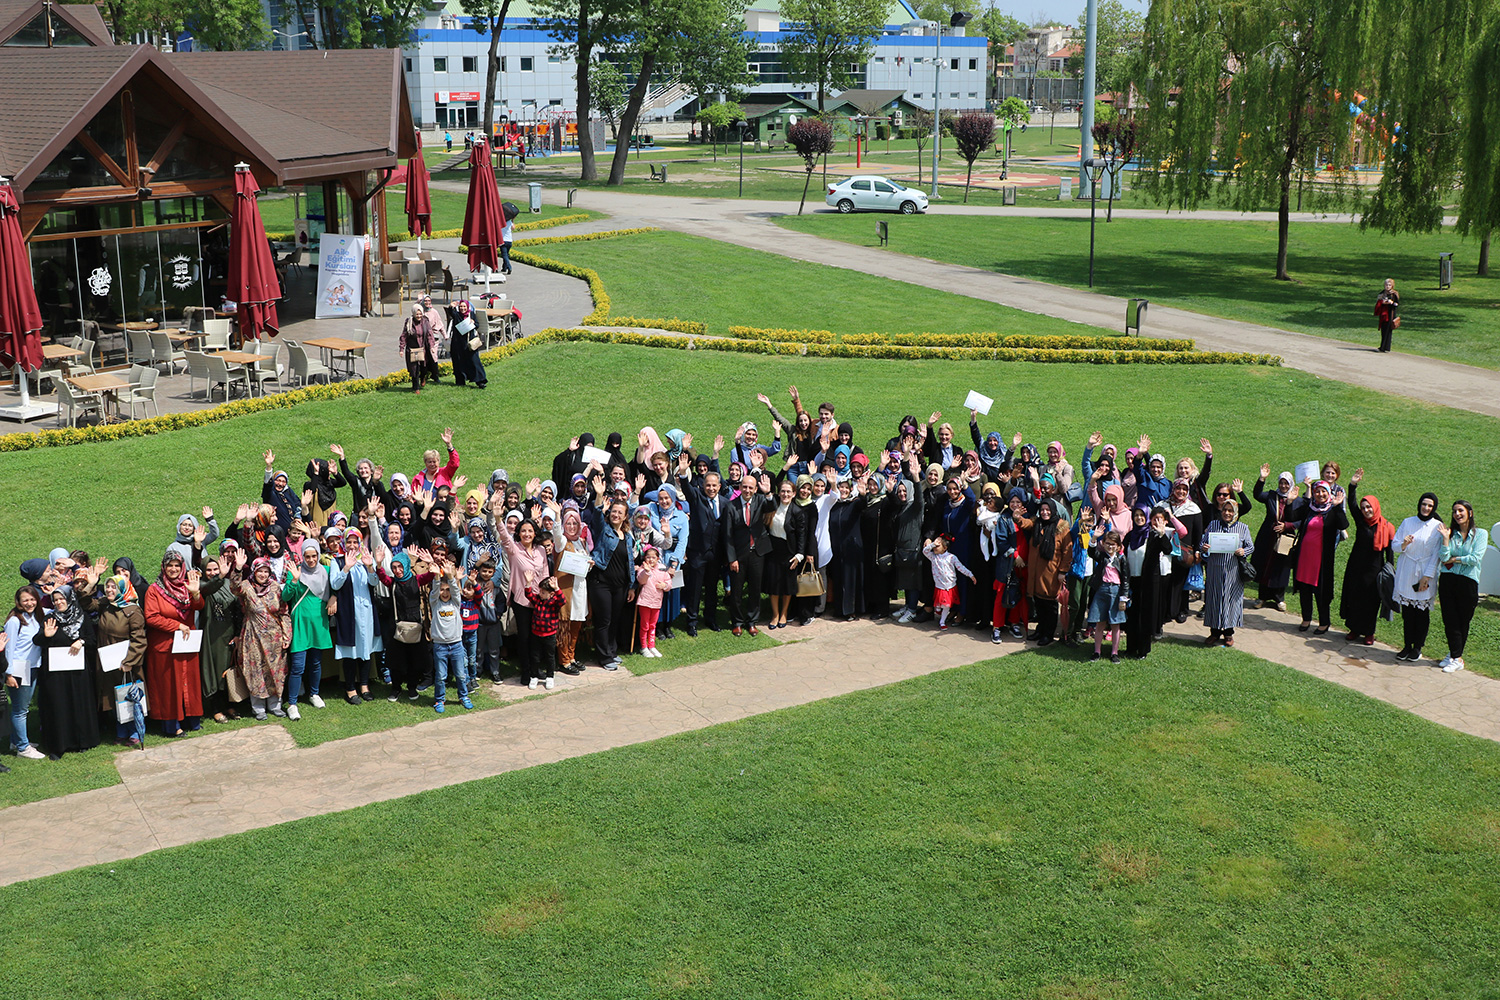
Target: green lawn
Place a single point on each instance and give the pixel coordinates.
(1227, 269)
(707, 393)
(1198, 825)
(666, 274)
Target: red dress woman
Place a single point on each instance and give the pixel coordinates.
(174, 692)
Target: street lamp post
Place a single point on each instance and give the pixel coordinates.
(741, 125)
(1095, 168)
(958, 20)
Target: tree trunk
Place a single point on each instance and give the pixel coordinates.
(1114, 182)
(492, 70)
(967, 180)
(1283, 226)
(1484, 256)
(805, 185)
(629, 118)
(588, 170)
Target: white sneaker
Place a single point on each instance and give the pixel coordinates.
(656, 653)
(31, 753)
(292, 713)
(1454, 665)
(548, 684)
(531, 684)
(317, 702)
(1445, 661)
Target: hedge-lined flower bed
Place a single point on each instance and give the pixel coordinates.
(777, 333)
(600, 316)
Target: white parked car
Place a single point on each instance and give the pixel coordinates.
(875, 194)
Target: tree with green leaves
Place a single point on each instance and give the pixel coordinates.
(224, 25)
(713, 57)
(1479, 203)
(607, 86)
(487, 17)
(716, 118)
(1116, 141)
(919, 122)
(583, 27)
(356, 24)
(824, 38)
(811, 138)
(1241, 97)
(1118, 33)
(973, 131)
(1000, 28)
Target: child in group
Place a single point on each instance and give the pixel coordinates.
(653, 582)
(1080, 576)
(1110, 583)
(446, 625)
(945, 570)
(546, 607)
(469, 612)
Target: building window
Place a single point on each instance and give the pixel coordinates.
(953, 64)
(471, 64)
(880, 59)
(973, 93)
(973, 63)
(526, 64)
(953, 94)
(556, 102)
(408, 65)
(554, 59)
(917, 95)
(440, 64)
(502, 64)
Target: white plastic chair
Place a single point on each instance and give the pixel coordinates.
(215, 335)
(142, 389)
(197, 366)
(139, 350)
(357, 356)
(303, 368)
(219, 373)
(163, 353)
(76, 401)
(264, 371)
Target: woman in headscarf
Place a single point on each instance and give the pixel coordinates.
(409, 654)
(1274, 540)
(418, 346)
(305, 594)
(957, 520)
(1148, 556)
(67, 685)
(221, 626)
(174, 689)
(188, 544)
(467, 366)
(1318, 522)
(1223, 586)
(323, 481)
(571, 536)
(1184, 581)
(261, 651)
(879, 556)
(125, 566)
(1464, 545)
(1062, 471)
(1360, 599)
(846, 577)
(524, 553)
(1051, 557)
(1419, 547)
(119, 619)
(356, 629)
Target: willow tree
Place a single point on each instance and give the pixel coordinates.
(1244, 97)
(1479, 205)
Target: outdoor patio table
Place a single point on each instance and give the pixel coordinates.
(337, 345)
(107, 384)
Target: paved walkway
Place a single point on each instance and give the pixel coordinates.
(180, 793)
(750, 224)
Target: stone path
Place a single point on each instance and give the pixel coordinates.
(180, 793)
(750, 224)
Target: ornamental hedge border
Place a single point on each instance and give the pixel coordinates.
(458, 234)
(27, 440)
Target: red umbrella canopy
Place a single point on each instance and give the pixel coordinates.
(20, 316)
(483, 218)
(418, 201)
(252, 271)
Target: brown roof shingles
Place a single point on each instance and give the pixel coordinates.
(43, 90)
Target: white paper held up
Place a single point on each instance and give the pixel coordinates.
(112, 657)
(592, 454)
(1222, 542)
(978, 401)
(189, 643)
(62, 658)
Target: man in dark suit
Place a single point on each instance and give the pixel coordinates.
(707, 552)
(749, 544)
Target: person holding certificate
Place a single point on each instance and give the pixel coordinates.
(67, 684)
(174, 690)
(1225, 547)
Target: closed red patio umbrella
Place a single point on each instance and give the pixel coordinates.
(482, 217)
(418, 200)
(252, 271)
(20, 316)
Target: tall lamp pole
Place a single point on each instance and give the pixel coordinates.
(1086, 104)
(1094, 170)
(957, 20)
(741, 124)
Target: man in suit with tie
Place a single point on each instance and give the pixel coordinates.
(707, 552)
(749, 544)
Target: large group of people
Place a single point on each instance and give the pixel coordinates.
(409, 583)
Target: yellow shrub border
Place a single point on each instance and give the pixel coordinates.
(27, 440)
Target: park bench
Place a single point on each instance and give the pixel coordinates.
(659, 175)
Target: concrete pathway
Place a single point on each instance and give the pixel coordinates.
(751, 224)
(181, 793)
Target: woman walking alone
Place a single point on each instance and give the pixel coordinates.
(1387, 306)
(418, 346)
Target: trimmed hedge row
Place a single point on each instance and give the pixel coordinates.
(779, 334)
(1046, 341)
(457, 234)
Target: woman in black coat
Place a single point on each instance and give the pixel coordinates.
(793, 527)
(879, 555)
(1273, 569)
(1360, 600)
(466, 364)
(1145, 549)
(846, 570)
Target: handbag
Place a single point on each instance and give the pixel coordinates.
(234, 684)
(125, 697)
(1247, 571)
(1396, 323)
(809, 583)
(407, 632)
(1284, 544)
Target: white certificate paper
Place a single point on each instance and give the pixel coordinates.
(63, 658)
(592, 454)
(978, 401)
(1222, 542)
(112, 657)
(189, 643)
(1305, 471)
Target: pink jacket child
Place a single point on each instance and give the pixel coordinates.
(654, 582)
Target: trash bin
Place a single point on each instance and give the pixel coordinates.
(1135, 311)
(536, 196)
(1445, 270)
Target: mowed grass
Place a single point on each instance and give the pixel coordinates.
(124, 497)
(1027, 827)
(665, 274)
(1226, 269)
(277, 213)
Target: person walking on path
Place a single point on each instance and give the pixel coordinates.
(1387, 304)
